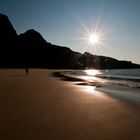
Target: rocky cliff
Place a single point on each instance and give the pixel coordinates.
(30, 49)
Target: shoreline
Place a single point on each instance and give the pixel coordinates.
(39, 106)
(128, 94)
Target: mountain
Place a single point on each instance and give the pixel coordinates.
(8, 40)
(7, 32)
(39, 53)
(30, 49)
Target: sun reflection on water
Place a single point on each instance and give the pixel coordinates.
(92, 72)
(89, 78)
(90, 89)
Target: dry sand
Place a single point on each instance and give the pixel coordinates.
(42, 107)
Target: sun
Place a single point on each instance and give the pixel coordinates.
(93, 39)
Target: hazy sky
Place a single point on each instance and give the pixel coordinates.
(66, 22)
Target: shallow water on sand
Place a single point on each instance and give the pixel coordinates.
(125, 77)
(122, 84)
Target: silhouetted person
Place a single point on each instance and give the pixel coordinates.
(26, 69)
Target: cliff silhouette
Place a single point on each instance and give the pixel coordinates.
(30, 49)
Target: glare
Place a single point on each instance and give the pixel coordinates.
(92, 35)
(92, 72)
(93, 39)
(90, 89)
(89, 78)
(93, 91)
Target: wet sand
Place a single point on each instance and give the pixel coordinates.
(39, 106)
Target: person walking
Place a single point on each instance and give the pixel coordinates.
(26, 69)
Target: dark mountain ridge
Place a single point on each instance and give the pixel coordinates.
(30, 49)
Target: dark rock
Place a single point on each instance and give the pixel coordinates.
(30, 49)
(8, 42)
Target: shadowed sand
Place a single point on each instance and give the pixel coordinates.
(39, 106)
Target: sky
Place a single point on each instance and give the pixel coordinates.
(69, 22)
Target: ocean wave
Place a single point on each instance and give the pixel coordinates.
(123, 78)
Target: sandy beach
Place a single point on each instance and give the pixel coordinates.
(39, 106)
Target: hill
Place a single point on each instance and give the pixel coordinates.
(30, 49)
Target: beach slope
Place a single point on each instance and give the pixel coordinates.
(39, 106)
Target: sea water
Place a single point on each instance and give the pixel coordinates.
(123, 77)
(122, 84)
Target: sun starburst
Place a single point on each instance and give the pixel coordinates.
(93, 39)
